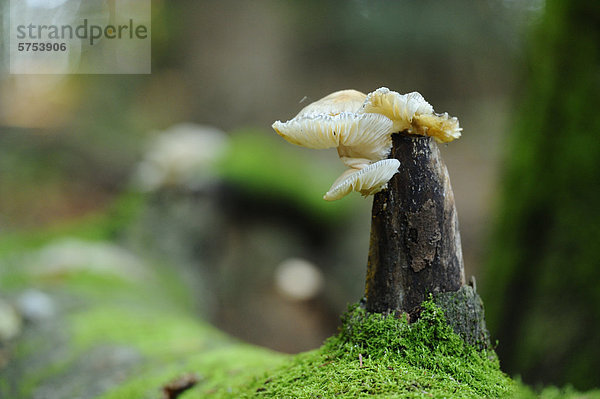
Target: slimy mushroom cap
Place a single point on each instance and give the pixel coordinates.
(441, 127)
(398, 107)
(410, 112)
(360, 127)
(368, 180)
(335, 103)
(355, 135)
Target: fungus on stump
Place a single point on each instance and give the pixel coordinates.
(415, 248)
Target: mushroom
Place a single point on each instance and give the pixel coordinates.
(360, 127)
(368, 180)
(355, 135)
(361, 139)
(410, 112)
(335, 103)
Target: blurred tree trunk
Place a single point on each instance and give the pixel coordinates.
(543, 275)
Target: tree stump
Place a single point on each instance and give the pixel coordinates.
(415, 247)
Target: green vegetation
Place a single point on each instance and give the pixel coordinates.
(265, 164)
(541, 280)
(149, 319)
(382, 356)
(386, 357)
(97, 226)
(141, 320)
(146, 320)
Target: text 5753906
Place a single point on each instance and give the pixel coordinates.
(47, 46)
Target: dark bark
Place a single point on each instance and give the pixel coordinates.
(464, 311)
(415, 245)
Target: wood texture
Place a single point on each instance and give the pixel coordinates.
(415, 242)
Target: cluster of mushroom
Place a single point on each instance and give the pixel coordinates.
(360, 126)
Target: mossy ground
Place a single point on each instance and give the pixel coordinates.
(143, 320)
(152, 322)
(377, 356)
(387, 357)
(372, 356)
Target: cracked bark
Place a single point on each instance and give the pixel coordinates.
(415, 243)
(415, 247)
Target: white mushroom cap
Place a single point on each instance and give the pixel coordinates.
(442, 127)
(360, 135)
(410, 112)
(368, 180)
(398, 107)
(335, 103)
(183, 155)
(360, 127)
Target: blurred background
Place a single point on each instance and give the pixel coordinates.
(185, 162)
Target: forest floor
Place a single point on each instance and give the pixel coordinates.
(105, 322)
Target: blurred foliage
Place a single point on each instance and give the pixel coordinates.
(121, 332)
(542, 290)
(269, 167)
(126, 335)
(74, 139)
(68, 145)
(122, 336)
(105, 225)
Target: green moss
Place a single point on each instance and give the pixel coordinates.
(172, 334)
(221, 371)
(377, 356)
(372, 355)
(423, 359)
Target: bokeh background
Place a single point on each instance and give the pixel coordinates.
(185, 162)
